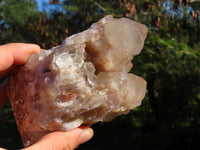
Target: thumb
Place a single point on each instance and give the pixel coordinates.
(63, 140)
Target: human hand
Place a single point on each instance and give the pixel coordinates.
(12, 55)
(15, 54)
(62, 140)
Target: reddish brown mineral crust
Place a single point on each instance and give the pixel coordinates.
(82, 81)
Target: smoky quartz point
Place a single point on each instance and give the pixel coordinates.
(83, 81)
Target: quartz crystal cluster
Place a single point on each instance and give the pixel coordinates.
(81, 82)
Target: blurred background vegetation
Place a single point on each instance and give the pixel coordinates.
(169, 117)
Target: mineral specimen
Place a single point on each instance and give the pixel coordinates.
(81, 82)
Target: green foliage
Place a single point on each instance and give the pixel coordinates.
(11, 11)
(168, 56)
(9, 137)
(15, 16)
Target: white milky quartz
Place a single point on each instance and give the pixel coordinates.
(81, 82)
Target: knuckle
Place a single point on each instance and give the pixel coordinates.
(67, 147)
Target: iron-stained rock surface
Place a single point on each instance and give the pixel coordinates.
(82, 81)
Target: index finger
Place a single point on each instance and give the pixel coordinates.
(15, 54)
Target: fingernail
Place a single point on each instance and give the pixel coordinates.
(86, 135)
